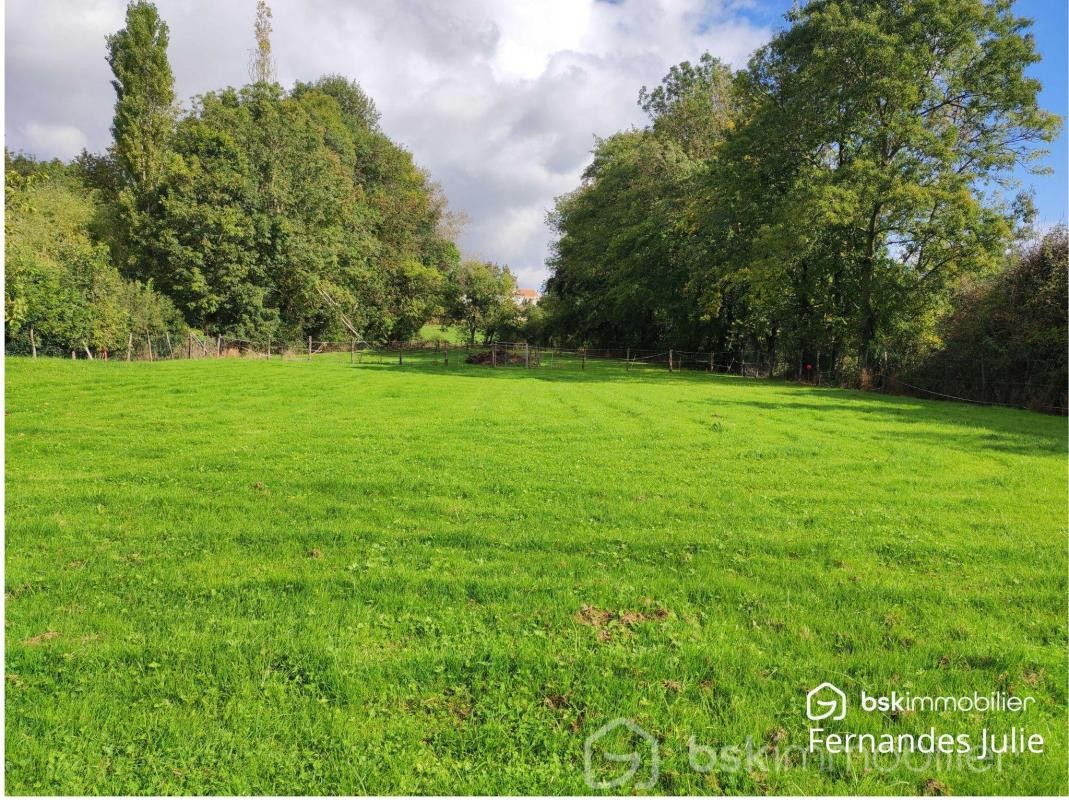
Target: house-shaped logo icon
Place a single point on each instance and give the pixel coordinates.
(631, 758)
(826, 701)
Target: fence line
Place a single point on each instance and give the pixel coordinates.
(164, 347)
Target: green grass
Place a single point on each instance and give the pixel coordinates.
(443, 333)
(237, 576)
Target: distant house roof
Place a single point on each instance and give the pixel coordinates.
(527, 294)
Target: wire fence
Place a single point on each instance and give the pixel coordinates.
(193, 345)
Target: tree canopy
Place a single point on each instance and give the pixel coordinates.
(258, 212)
(824, 202)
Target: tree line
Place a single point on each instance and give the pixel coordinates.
(827, 205)
(256, 213)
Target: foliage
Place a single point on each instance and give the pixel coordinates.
(144, 94)
(275, 202)
(259, 577)
(479, 297)
(262, 65)
(1005, 339)
(258, 212)
(820, 207)
(59, 281)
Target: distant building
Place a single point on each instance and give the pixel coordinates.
(526, 296)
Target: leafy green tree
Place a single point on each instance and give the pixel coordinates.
(889, 124)
(623, 262)
(144, 90)
(1005, 337)
(479, 296)
(59, 281)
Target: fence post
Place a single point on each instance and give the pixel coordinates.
(129, 345)
(670, 361)
(33, 343)
(219, 345)
(170, 349)
(710, 362)
(148, 338)
(73, 356)
(584, 358)
(269, 348)
(352, 351)
(309, 348)
(447, 354)
(189, 344)
(527, 354)
(493, 355)
(400, 354)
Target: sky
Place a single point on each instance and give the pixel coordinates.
(499, 99)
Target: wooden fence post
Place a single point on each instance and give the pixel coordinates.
(493, 355)
(670, 361)
(219, 345)
(33, 343)
(73, 356)
(268, 348)
(710, 362)
(400, 354)
(584, 358)
(189, 344)
(170, 350)
(309, 348)
(129, 345)
(447, 354)
(527, 354)
(352, 351)
(148, 338)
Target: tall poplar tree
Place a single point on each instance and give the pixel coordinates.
(144, 89)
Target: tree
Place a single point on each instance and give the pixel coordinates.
(891, 123)
(261, 64)
(59, 281)
(1004, 339)
(144, 89)
(623, 261)
(479, 297)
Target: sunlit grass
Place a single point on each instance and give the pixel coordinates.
(245, 576)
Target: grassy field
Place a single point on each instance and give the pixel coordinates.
(237, 576)
(442, 333)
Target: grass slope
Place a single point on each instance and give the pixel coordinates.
(236, 576)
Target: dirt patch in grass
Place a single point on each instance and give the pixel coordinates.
(934, 788)
(606, 622)
(42, 637)
(486, 359)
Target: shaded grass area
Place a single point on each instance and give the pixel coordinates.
(245, 576)
(443, 333)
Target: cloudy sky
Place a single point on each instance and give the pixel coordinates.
(499, 99)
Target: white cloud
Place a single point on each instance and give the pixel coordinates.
(499, 100)
(54, 141)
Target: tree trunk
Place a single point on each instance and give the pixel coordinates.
(867, 314)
